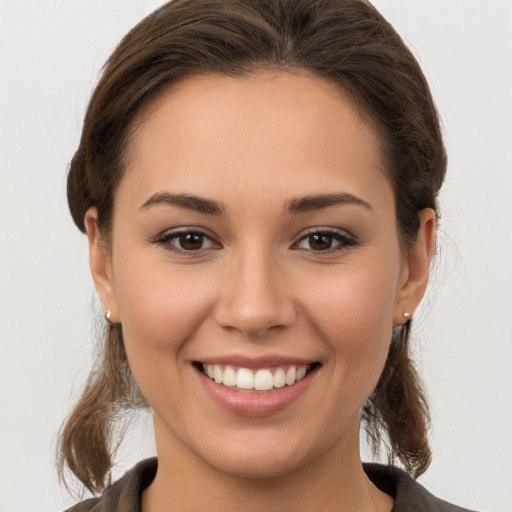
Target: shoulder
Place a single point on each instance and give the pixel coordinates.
(408, 494)
(123, 495)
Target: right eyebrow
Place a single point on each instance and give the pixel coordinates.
(186, 201)
(317, 202)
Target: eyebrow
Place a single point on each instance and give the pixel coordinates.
(186, 201)
(293, 206)
(317, 202)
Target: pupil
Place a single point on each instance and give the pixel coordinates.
(320, 242)
(191, 241)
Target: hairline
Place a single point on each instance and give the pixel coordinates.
(148, 106)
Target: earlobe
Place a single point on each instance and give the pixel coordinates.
(418, 269)
(101, 265)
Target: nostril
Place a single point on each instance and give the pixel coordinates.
(254, 298)
(255, 318)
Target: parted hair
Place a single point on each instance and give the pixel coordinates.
(347, 42)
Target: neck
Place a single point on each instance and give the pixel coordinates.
(333, 481)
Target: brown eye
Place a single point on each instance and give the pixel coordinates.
(191, 241)
(326, 241)
(185, 241)
(320, 242)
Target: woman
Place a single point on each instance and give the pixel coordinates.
(258, 184)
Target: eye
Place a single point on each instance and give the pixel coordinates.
(326, 241)
(186, 240)
(190, 241)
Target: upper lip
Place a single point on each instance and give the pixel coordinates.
(264, 361)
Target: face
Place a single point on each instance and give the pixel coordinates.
(256, 271)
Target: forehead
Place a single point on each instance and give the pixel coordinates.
(218, 134)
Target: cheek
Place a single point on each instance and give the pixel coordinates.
(353, 313)
(160, 306)
(357, 301)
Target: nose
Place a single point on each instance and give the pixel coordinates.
(255, 296)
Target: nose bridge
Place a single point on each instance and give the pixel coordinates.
(256, 296)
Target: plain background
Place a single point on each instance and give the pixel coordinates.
(50, 56)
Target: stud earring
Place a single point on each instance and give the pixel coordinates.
(108, 314)
(407, 315)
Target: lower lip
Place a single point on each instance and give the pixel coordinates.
(247, 403)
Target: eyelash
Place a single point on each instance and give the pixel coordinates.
(344, 240)
(166, 240)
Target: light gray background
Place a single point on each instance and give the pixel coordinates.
(50, 56)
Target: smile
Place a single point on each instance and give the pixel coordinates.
(262, 379)
(251, 388)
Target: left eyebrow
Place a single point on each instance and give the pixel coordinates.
(187, 202)
(317, 202)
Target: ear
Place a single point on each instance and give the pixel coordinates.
(101, 265)
(416, 269)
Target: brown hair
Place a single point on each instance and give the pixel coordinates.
(344, 41)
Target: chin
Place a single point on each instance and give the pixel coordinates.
(258, 465)
(262, 454)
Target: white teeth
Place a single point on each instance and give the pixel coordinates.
(290, 375)
(263, 379)
(229, 376)
(244, 379)
(301, 373)
(279, 378)
(217, 373)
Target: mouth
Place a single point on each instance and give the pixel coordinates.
(256, 387)
(259, 380)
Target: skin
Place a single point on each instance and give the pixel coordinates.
(257, 287)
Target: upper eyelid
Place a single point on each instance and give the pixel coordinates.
(206, 233)
(167, 238)
(325, 229)
(185, 229)
(345, 238)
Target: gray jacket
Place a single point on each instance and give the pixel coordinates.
(125, 494)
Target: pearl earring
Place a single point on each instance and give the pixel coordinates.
(108, 314)
(407, 315)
